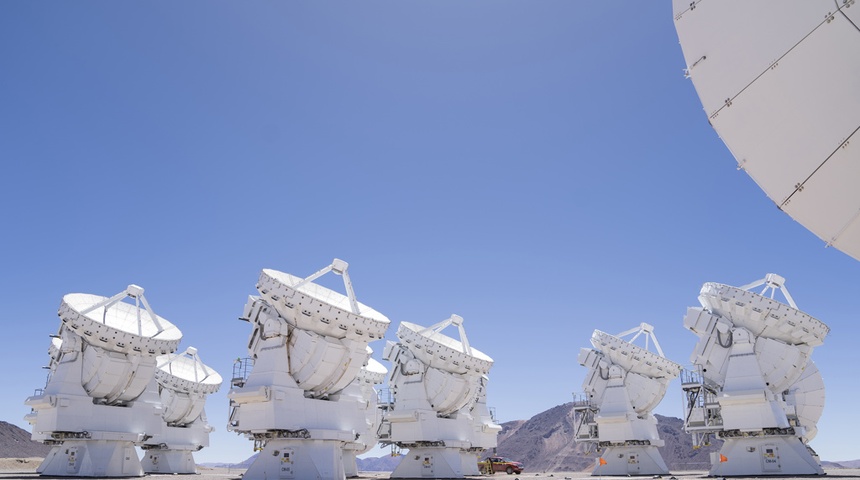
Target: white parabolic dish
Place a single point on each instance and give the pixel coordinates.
(186, 373)
(319, 309)
(374, 372)
(441, 351)
(763, 316)
(56, 348)
(780, 83)
(634, 358)
(121, 327)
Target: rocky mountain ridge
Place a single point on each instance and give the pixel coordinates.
(15, 443)
(545, 443)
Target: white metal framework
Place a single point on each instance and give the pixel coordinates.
(182, 381)
(755, 385)
(97, 404)
(625, 382)
(307, 346)
(439, 409)
(778, 81)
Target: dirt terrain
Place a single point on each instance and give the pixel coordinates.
(22, 469)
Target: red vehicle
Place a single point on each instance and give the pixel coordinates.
(500, 464)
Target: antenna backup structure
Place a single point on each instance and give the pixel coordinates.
(307, 346)
(439, 409)
(183, 382)
(756, 386)
(625, 382)
(93, 409)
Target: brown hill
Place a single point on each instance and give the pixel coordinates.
(378, 464)
(15, 443)
(545, 443)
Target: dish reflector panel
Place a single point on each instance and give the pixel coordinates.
(119, 326)
(763, 316)
(313, 307)
(441, 351)
(185, 372)
(780, 83)
(55, 349)
(634, 358)
(374, 372)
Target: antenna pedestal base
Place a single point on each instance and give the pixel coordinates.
(469, 460)
(436, 462)
(630, 460)
(350, 467)
(760, 456)
(294, 458)
(92, 458)
(168, 461)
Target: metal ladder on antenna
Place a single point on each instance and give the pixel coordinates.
(585, 426)
(701, 409)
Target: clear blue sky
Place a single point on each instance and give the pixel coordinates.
(539, 168)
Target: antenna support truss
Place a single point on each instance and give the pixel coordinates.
(648, 330)
(772, 282)
(339, 267)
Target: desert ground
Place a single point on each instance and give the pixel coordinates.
(25, 468)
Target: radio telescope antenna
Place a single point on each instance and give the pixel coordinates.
(439, 411)
(768, 91)
(298, 403)
(756, 386)
(183, 381)
(624, 384)
(94, 408)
